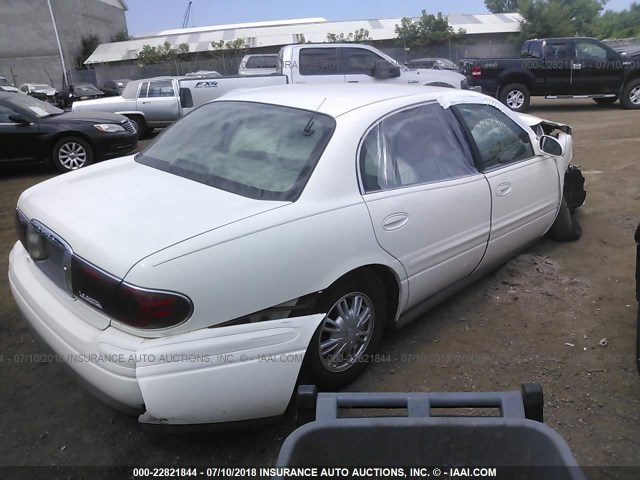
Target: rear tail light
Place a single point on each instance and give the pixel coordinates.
(476, 71)
(131, 305)
(21, 227)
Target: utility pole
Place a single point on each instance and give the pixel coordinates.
(55, 30)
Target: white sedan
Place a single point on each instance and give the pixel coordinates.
(277, 232)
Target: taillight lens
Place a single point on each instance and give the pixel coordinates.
(150, 309)
(476, 71)
(21, 227)
(134, 306)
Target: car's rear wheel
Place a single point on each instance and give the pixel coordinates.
(606, 101)
(72, 153)
(342, 346)
(516, 96)
(631, 94)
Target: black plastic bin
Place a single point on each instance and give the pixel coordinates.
(420, 439)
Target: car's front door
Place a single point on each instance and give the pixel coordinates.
(158, 100)
(525, 187)
(596, 70)
(429, 205)
(360, 64)
(19, 141)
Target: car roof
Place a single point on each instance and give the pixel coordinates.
(337, 99)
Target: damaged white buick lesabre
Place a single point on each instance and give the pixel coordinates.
(278, 232)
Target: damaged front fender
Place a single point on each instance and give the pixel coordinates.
(223, 374)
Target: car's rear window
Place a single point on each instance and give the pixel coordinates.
(252, 149)
(269, 61)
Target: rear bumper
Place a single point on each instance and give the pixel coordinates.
(55, 319)
(212, 375)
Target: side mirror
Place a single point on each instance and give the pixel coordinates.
(383, 70)
(550, 145)
(18, 118)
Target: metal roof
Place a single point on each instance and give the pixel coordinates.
(284, 32)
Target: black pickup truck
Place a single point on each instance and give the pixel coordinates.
(574, 67)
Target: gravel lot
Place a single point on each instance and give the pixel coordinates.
(511, 327)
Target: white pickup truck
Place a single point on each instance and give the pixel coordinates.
(157, 102)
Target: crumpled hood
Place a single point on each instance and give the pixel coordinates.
(116, 213)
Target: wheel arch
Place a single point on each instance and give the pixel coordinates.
(514, 78)
(67, 134)
(391, 283)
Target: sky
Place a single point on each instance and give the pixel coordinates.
(149, 16)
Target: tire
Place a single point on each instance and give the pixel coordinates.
(566, 227)
(330, 368)
(140, 125)
(72, 153)
(631, 94)
(606, 101)
(516, 96)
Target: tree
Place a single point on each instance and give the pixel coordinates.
(121, 36)
(160, 53)
(183, 48)
(558, 18)
(501, 6)
(359, 36)
(427, 30)
(622, 24)
(88, 45)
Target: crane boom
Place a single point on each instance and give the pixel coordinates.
(185, 21)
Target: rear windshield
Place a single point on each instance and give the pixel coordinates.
(256, 150)
(82, 88)
(269, 61)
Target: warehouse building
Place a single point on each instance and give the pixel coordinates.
(489, 35)
(28, 48)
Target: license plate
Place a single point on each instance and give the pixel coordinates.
(84, 98)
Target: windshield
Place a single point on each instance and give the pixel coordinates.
(4, 82)
(448, 64)
(256, 150)
(85, 89)
(34, 106)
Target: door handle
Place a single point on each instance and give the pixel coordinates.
(395, 221)
(353, 81)
(503, 189)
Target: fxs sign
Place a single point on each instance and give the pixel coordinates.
(207, 84)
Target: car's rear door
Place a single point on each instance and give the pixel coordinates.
(318, 65)
(158, 100)
(525, 187)
(558, 61)
(429, 205)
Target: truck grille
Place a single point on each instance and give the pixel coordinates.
(128, 126)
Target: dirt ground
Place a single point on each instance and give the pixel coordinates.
(539, 318)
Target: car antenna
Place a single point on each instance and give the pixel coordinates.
(308, 129)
